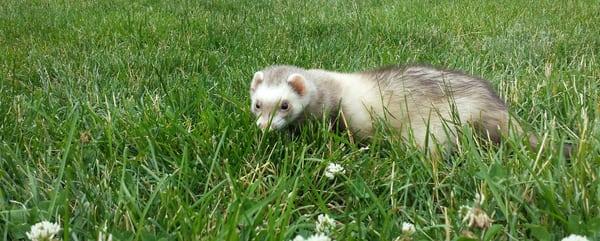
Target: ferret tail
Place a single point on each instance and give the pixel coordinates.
(506, 123)
(534, 140)
(567, 148)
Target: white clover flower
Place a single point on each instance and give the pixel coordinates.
(408, 228)
(575, 237)
(314, 237)
(325, 224)
(43, 231)
(477, 218)
(319, 237)
(334, 169)
(299, 238)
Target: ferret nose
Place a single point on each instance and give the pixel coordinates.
(262, 125)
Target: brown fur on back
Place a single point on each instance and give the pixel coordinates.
(446, 90)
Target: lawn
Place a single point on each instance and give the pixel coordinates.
(132, 118)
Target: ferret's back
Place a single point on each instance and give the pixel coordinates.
(433, 83)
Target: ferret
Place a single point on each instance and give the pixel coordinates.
(421, 103)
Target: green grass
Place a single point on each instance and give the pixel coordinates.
(134, 116)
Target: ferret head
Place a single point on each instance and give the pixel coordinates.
(279, 96)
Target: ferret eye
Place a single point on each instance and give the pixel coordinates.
(257, 105)
(285, 106)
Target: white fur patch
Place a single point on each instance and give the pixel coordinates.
(359, 111)
(270, 98)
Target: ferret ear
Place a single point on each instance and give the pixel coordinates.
(298, 83)
(257, 80)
